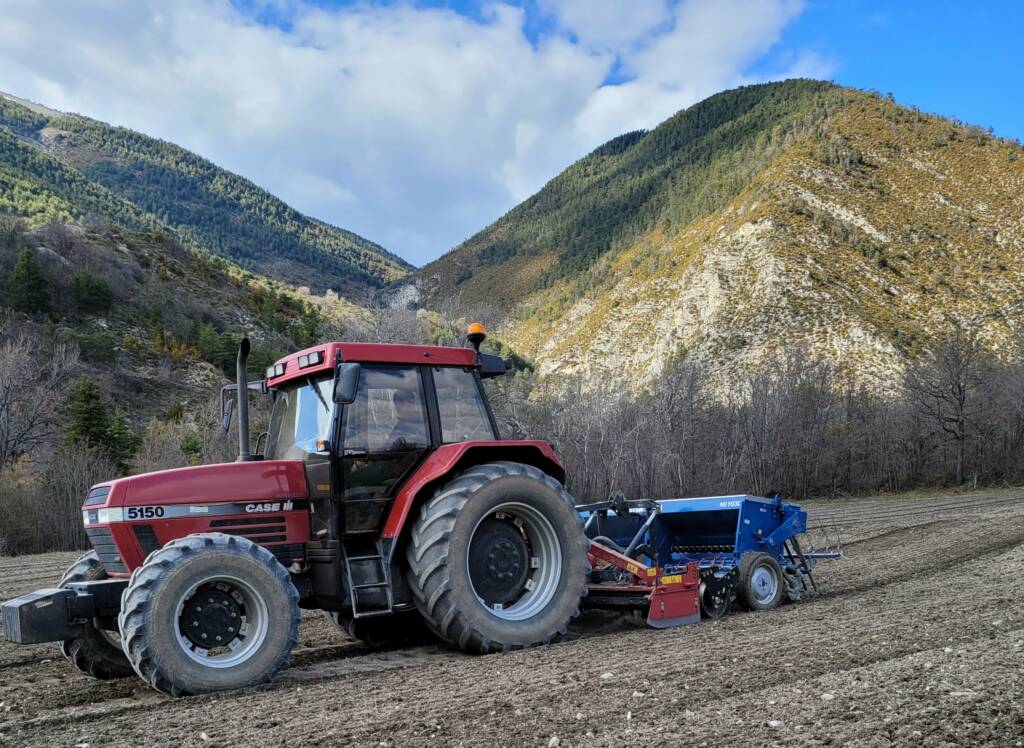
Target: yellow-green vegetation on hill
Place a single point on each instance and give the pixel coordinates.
(848, 226)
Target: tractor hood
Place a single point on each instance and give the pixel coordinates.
(233, 481)
(265, 501)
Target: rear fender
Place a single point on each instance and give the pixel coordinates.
(453, 458)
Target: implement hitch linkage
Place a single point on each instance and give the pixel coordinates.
(671, 599)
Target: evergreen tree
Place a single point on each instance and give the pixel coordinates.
(88, 416)
(122, 440)
(91, 294)
(92, 423)
(29, 290)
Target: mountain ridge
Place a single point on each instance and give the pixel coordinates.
(623, 188)
(172, 189)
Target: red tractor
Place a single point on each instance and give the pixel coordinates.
(381, 494)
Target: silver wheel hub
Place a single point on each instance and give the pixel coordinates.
(222, 622)
(514, 562)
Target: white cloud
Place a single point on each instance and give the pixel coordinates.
(412, 126)
(708, 48)
(608, 24)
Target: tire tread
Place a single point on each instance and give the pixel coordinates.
(138, 596)
(429, 580)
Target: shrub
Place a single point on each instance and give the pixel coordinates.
(97, 347)
(91, 295)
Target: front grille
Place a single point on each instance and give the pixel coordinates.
(260, 530)
(106, 551)
(97, 495)
(147, 538)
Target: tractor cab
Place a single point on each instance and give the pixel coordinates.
(364, 417)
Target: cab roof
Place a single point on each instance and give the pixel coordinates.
(325, 356)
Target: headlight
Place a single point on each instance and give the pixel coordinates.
(111, 515)
(102, 516)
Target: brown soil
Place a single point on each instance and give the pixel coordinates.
(916, 638)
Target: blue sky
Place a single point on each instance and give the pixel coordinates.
(415, 124)
(962, 59)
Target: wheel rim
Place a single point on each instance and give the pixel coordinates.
(222, 621)
(113, 637)
(713, 607)
(514, 561)
(764, 584)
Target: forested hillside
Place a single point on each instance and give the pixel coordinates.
(113, 344)
(68, 167)
(687, 167)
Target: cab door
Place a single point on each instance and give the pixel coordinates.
(384, 436)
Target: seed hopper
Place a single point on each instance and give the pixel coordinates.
(683, 559)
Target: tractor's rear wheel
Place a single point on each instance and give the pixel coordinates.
(498, 559)
(209, 612)
(762, 583)
(397, 628)
(98, 651)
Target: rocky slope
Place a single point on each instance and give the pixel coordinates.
(798, 216)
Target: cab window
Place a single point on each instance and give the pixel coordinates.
(388, 414)
(301, 417)
(461, 406)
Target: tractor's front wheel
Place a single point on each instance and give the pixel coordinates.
(498, 559)
(97, 652)
(209, 612)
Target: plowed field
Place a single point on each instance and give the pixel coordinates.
(916, 638)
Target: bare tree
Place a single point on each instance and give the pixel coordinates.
(12, 232)
(59, 237)
(70, 474)
(943, 387)
(34, 376)
(42, 510)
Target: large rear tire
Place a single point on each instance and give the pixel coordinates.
(209, 612)
(498, 559)
(98, 651)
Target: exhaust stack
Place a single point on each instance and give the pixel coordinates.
(244, 455)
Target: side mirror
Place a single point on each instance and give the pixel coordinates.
(227, 407)
(492, 366)
(346, 383)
